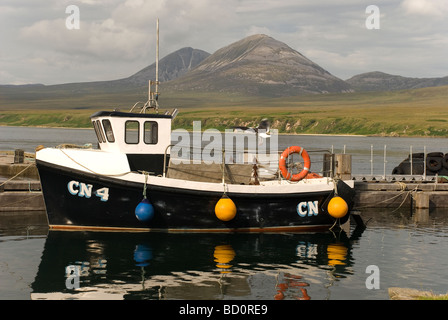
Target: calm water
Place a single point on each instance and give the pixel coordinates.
(321, 266)
(409, 250)
(360, 147)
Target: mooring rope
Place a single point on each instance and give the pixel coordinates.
(29, 188)
(403, 190)
(97, 173)
(12, 178)
(334, 224)
(19, 201)
(145, 185)
(384, 201)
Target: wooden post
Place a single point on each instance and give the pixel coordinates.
(421, 200)
(19, 156)
(343, 166)
(328, 165)
(420, 216)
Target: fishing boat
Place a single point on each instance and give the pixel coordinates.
(132, 182)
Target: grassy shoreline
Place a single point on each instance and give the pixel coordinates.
(295, 123)
(407, 113)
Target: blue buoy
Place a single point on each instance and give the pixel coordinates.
(144, 211)
(142, 255)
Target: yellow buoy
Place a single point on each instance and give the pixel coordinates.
(225, 209)
(224, 254)
(337, 207)
(337, 254)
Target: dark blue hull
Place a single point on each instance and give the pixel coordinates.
(80, 200)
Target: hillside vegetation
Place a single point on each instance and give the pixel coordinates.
(418, 112)
(240, 84)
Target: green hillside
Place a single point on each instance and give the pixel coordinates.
(418, 112)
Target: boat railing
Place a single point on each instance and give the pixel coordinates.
(165, 159)
(136, 104)
(327, 161)
(323, 161)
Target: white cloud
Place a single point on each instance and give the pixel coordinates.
(103, 39)
(117, 37)
(258, 30)
(433, 8)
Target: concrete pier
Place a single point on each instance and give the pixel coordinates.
(14, 201)
(20, 188)
(18, 163)
(415, 195)
(21, 195)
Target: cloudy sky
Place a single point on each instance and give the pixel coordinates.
(116, 38)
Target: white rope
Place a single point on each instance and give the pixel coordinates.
(16, 175)
(146, 181)
(19, 201)
(88, 169)
(403, 191)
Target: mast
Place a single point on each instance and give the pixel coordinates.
(153, 97)
(157, 59)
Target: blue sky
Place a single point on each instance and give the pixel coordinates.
(116, 38)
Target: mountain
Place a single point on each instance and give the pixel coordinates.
(254, 66)
(380, 81)
(259, 65)
(171, 67)
(86, 94)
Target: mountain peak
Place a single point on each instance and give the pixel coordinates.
(171, 66)
(258, 47)
(260, 65)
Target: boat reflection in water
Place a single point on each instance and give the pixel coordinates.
(100, 265)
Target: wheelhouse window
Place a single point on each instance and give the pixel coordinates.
(151, 132)
(108, 128)
(131, 134)
(99, 131)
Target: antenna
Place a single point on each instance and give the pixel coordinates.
(157, 59)
(153, 97)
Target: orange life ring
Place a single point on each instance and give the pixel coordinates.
(282, 163)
